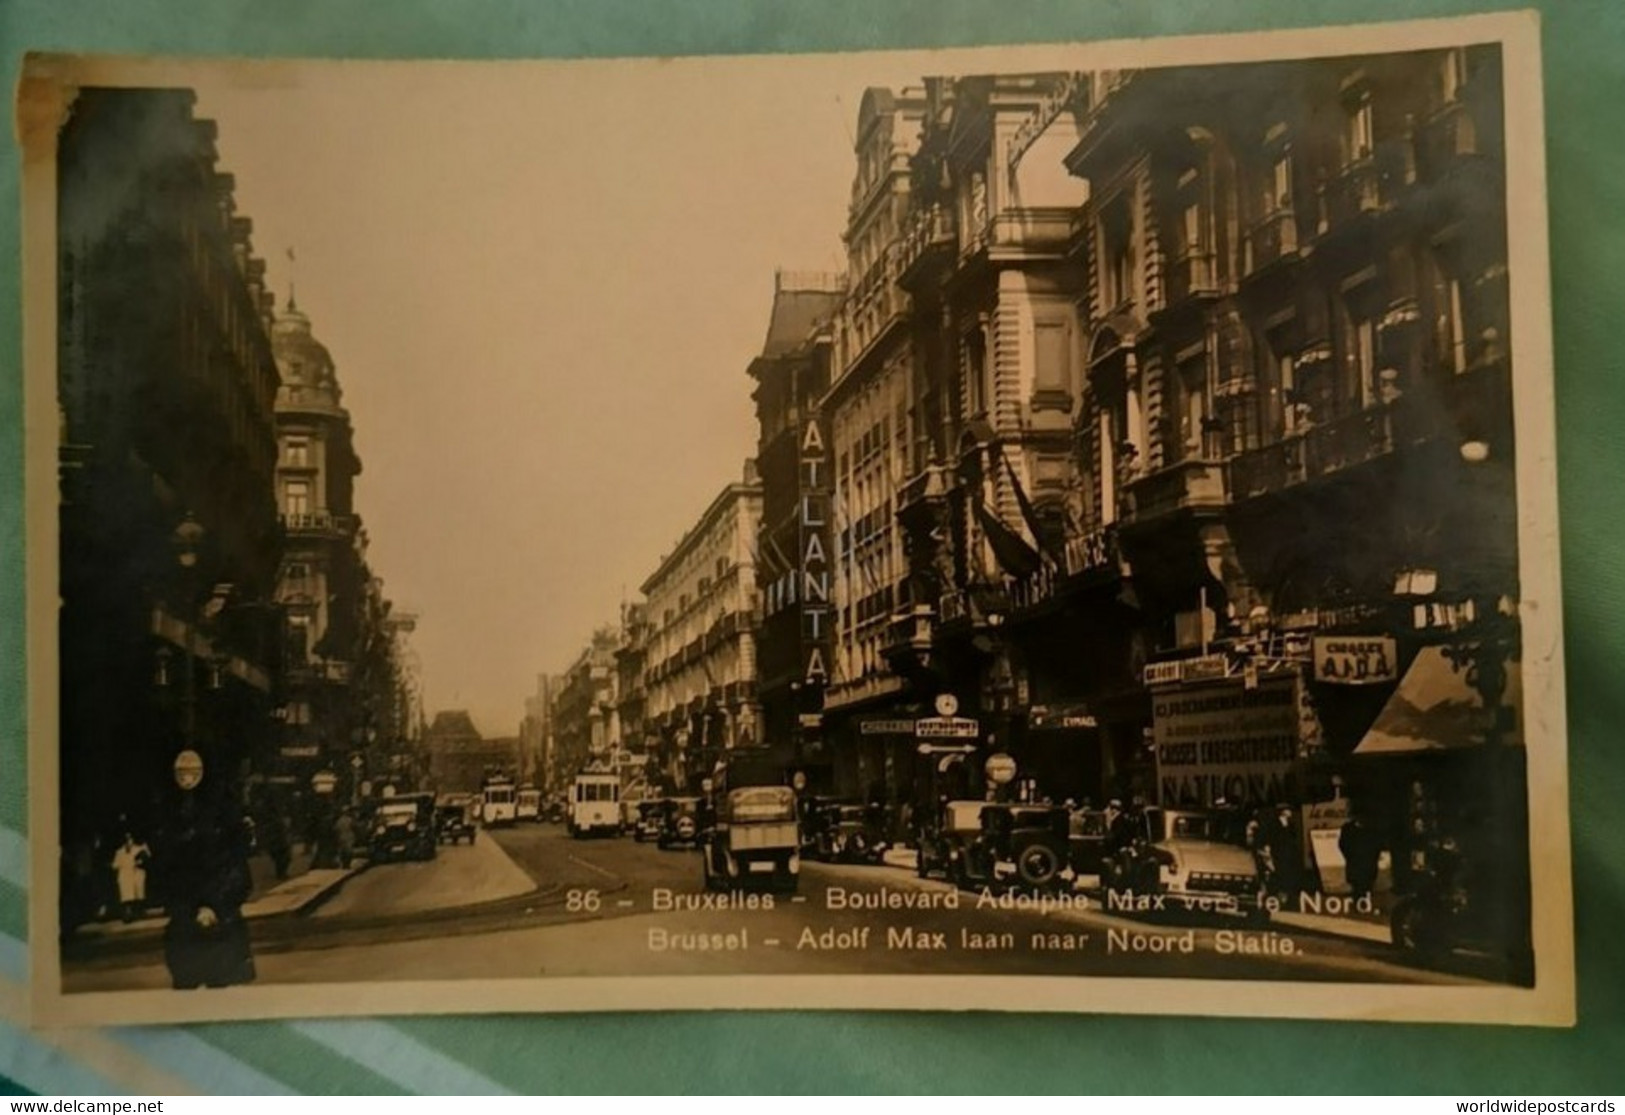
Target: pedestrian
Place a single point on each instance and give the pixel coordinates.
(277, 840)
(344, 838)
(1361, 846)
(130, 862)
(1285, 854)
(204, 850)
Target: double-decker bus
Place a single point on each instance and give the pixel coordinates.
(497, 801)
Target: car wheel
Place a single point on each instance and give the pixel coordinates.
(1038, 865)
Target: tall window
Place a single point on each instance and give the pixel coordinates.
(298, 452)
(298, 638)
(1362, 356)
(1191, 226)
(1192, 409)
(1360, 137)
(975, 372)
(1278, 190)
(1294, 410)
(1457, 326)
(296, 497)
(1116, 254)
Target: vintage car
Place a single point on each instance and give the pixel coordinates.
(979, 843)
(1176, 860)
(454, 820)
(1088, 842)
(756, 840)
(403, 827)
(651, 819)
(680, 823)
(844, 832)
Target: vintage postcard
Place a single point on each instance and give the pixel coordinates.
(1057, 528)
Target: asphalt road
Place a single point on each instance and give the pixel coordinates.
(613, 907)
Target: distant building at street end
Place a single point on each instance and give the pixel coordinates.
(700, 668)
(460, 758)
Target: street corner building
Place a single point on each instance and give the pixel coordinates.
(215, 592)
(1168, 429)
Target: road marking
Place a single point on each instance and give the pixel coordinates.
(592, 867)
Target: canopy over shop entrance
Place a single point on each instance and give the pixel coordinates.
(1436, 709)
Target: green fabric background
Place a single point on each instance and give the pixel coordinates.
(1584, 48)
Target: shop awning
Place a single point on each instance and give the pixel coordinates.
(1435, 709)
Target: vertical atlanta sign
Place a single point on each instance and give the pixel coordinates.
(813, 554)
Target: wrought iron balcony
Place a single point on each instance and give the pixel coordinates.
(928, 242)
(317, 522)
(1273, 238)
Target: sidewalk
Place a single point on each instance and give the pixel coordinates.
(267, 898)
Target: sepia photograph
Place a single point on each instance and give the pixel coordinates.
(1024, 528)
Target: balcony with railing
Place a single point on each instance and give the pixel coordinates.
(1272, 239)
(1190, 485)
(1475, 404)
(1043, 230)
(928, 243)
(926, 488)
(317, 522)
(909, 631)
(1193, 274)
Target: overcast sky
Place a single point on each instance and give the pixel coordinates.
(541, 284)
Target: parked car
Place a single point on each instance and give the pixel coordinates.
(756, 840)
(651, 819)
(845, 832)
(680, 826)
(1183, 858)
(454, 820)
(403, 827)
(979, 843)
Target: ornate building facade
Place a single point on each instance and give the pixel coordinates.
(700, 667)
(170, 637)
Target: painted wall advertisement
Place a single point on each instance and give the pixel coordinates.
(1225, 740)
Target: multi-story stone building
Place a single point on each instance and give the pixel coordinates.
(170, 638)
(951, 410)
(629, 740)
(584, 712)
(323, 583)
(700, 666)
(794, 548)
(871, 423)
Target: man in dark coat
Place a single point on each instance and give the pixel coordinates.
(204, 848)
(1361, 846)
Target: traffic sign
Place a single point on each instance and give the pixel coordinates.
(946, 727)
